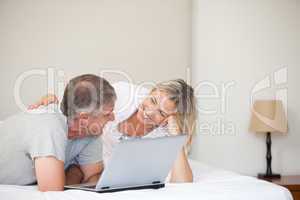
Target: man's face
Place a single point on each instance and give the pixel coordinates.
(90, 124)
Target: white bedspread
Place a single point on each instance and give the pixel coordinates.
(210, 184)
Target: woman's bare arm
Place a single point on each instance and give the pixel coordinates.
(44, 101)
(181, 171)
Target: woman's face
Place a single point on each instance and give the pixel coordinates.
(156, 108)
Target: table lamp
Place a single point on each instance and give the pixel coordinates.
(268, 116)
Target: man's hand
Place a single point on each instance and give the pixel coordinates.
(92, 172)
(74, 175)
(49, 173)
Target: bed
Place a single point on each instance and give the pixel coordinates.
(210, 183)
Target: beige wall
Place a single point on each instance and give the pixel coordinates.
(245, 44)
(150, 40)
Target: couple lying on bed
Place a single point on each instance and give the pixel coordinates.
(64, 147)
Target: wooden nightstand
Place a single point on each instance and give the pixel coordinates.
(290, 182)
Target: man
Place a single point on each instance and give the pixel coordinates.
(39, 147)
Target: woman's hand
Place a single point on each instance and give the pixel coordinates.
(172, 125)
(44, 101)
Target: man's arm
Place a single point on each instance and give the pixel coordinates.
(91, 172)
(49, 173)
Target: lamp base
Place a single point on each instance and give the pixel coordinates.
(269, 176)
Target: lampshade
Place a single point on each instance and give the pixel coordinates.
(268, 116)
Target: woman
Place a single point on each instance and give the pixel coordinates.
(169, 108)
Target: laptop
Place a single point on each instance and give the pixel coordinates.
(137, 164)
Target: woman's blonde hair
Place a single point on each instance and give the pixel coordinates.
(183, 96)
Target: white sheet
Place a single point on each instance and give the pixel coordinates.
(210, 184)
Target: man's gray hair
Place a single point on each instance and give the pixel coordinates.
(86, 93)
